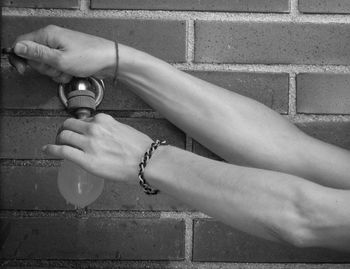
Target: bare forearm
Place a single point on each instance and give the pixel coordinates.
(239, 129)
(271, 205)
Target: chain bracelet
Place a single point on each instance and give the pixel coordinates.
(148, 154)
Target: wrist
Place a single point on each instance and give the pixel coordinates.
(109, 60)
(157, 165)
(133, 63)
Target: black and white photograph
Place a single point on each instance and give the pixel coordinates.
(175, 134)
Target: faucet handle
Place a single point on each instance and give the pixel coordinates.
(78, 95)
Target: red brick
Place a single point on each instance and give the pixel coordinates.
(30, 91)
(71, 4)
(269, 89)
(23, 137)
(35, 91)
(35, 188)
(203, 5)
(325, 6)
(30, 188)
(336, 133)
(323, 93)
(92, 238)
(216, 242)
(164, 39)
(272, 43)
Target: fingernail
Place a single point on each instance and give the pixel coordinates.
(20, 48)
(44, 148)
(21, 69)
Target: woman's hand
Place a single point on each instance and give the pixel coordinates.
(61, 53)
(102, 146)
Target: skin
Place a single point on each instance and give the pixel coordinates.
(278, 183)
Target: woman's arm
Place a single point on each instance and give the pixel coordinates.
(271, 205)
(237, 128)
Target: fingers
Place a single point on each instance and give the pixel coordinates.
(47, 70)
(71, 133)
(18, 62)
(65, 152)
(67, 137)
(40, 53)
(44, 69)
(75, 125)
(44, 36)
(62, 78)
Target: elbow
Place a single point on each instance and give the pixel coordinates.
(294, 233)
(300, 237)
(303, 223)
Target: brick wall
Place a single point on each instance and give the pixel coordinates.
(280, 52)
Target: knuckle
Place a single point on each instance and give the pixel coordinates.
(60, 61)
(64, 151)
(54, 73)
(51, 28)
(101, 117)
(64, 136)
(67, 123)
(37, 52)
(64, 78)
(93, 129)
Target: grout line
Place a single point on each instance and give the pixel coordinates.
(273, 68)
(30, 163)
(85, 213)
(180, 15)
(111, 263)
(84, 5)
(189, 143)
(190, 41)
(119, 114)
(294, 10)
(304, 118)
(292, 95)
(188, 239)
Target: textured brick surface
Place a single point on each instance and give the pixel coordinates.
(272, 43)
(35, 188)
(269, 89)
(324, 6)
(92, 238)
(30, 188)
(164, 39)
(35, 235)
(29, 91)
(74, 4)
(336, 133)
(23, 137)
(323, 93)
(35, 91)
(214, 241)
(203, 5)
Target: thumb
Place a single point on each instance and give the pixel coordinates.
(37, 52)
